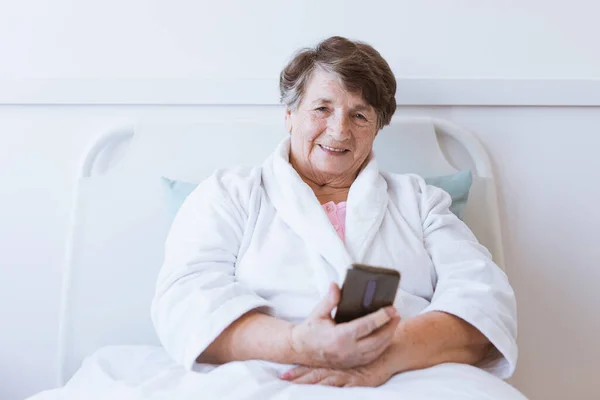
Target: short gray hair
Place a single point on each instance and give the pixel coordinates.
(359, 66)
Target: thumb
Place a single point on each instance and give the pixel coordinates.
(328, 303)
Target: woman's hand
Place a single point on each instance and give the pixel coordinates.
(324, 344)
(373, 375)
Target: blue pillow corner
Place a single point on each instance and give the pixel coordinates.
(458, 186)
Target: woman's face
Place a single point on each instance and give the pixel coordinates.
(332, 131)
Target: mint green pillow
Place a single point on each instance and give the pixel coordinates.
(457, 185)
(176, 192)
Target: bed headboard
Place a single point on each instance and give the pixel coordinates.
(120, 220)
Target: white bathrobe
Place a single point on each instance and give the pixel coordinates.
(251, 238)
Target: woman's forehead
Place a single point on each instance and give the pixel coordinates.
(327, 88)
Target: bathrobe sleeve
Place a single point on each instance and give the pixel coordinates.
(469, 285)
(197, 295)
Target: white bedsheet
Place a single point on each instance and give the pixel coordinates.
(146, 372)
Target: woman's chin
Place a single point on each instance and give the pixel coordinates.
(334, 170)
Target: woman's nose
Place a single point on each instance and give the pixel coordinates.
(339, 126)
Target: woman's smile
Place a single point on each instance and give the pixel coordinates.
(333, 151)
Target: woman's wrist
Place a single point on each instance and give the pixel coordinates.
(430, 339)
(296, 352)
(409, 350)
(391, 361)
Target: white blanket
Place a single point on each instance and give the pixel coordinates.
(141, 372)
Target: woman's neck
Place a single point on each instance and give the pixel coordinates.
(326, 192)
(326, 188)
(336, 195)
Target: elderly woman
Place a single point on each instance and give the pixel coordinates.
(255, 256)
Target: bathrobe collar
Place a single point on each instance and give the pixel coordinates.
(298, 206)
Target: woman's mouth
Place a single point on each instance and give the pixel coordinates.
(332, 150)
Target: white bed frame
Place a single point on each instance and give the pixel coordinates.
(120, 221)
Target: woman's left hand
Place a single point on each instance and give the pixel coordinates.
(372, 375)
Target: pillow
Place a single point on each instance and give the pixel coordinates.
(176, 192)
(457, 185)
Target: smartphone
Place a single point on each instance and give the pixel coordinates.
(366, 289)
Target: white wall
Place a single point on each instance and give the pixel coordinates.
(545, 157)
(187, 39)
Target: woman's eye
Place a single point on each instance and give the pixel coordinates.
(360, 116)
(322, 109)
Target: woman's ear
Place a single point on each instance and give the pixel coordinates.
(288, 120)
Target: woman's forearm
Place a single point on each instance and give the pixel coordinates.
(434, 338)
(316, 342)
(254, 336)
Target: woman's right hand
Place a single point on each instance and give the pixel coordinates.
(323, 343)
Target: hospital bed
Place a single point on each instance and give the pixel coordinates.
(120, 219)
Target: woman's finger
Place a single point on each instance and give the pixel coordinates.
(327, 304)
(312, 377)
(333, 380)
(379, 340)
(366, 325)
(295, 373)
